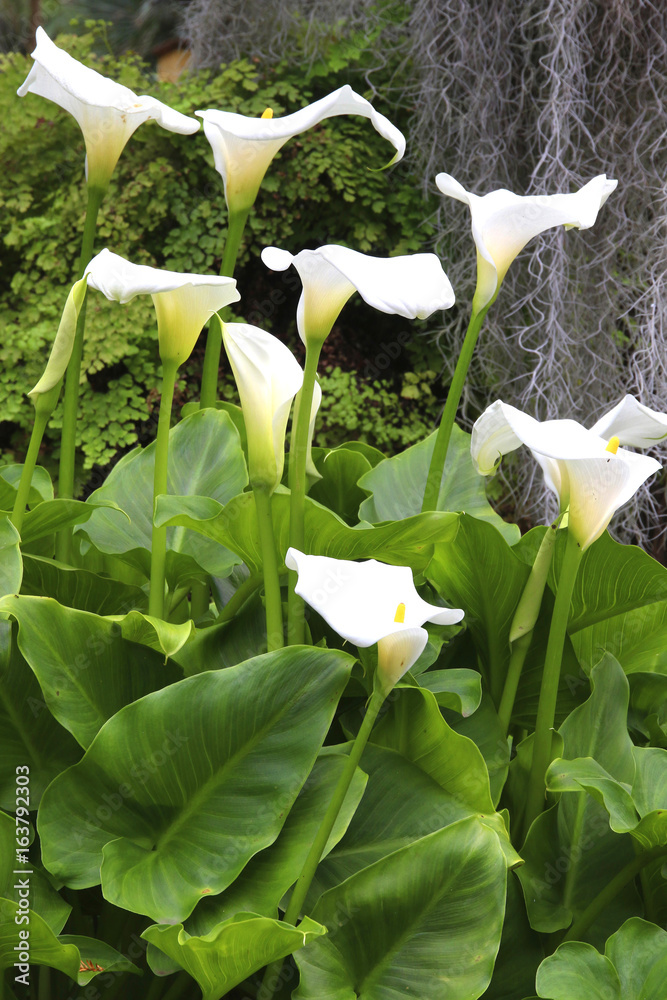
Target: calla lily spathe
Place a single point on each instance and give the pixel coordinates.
(184, 303)
(268, 377)
(107, 112)
(589, 473)
(503, 222)
(243, 147)
(368, 602)
(413, 285)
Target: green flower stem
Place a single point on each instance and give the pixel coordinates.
(159, 535)
(439, 456)
(523, 623)
(71, 398)
(182, 982)
(209, 377)
(44, 983)
(611, 890)
(23, 492)
(546, 709)
(317, 848)
(238, 598)
(272, 599)
(298, 454)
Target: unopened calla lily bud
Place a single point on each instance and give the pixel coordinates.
(268, 377)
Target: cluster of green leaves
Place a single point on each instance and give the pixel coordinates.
(165, 207)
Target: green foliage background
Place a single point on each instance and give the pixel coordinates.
(165, 207)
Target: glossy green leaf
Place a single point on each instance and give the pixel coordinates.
(396, 486)
(54, 515)
(233, 950)
(180, 789)
(79, 588)
(86, 669)
(41, 487)
(638, 951)
(234, 412)
(166, 637)
(633, 967)
(43, 898)
(29, 735)
(639, 807)
(570, 852)
(100, 954)
(458, 689)
(620, 606)
(425, 921)
(480, 572)
(576, 971)
(408, 542)
(11, 564)
(267, 877)
(401, 804)
(484, 729)
(44, 946)
(205, 459)
(341, 469)
(414, 727)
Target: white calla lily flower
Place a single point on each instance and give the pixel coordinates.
(633, 424)
(268, 377)
(107, 112)
(503, 222)
(243, 147)
(589, 473)
(413, 285)
(368, 602)
(184, 303)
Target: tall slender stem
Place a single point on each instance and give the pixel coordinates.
(523, 623)
(297, 483)
(71, 398)
(317, 848)
(439, 456)
(546, 709)
(209, 378)
(23, 492)
(159, 535)
(611, 890)
(272, 599)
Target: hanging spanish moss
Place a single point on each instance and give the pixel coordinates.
(537, 96)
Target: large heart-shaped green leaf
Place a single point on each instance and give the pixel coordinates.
(233, 950)
(633, 967)
(267, 877)
(414, 727)
(29, 735)
(54, 515)
(620, 606)
(181, 788)
(408, 542)
(205, 459)
(79, 588)
(396, 486)
(570, 852)
(341, 469)
(480, 572)
(41, 487)
(458, 689)
(86, 669)
(424, 922)
(401, 804)
(639, 807)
